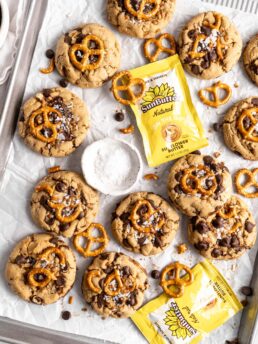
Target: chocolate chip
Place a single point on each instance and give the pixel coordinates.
(207, 159)
(80, 38)
(44, 202)
(188, 59)
(50, 53)
(216, 252)
(100, 299)
(19, 260)
(234, 242)
(205, 64)
(126, 271)
(247, 291)
(247, 122)
(63, 83)
(60, 187)
(214, 167)
(36, 299)
(179, 175)
(216, 126)
(68, 39)
(64, 226)
(193, 219)
(197, 152)
(249, 226)
(141, 240)
(103, 256)
(71, 191)
(234, 341)
(219, 189)
(225, 242)
(155, 274)
(191, 34)
(178, 189)
(202, 246)
(101, 283)
(81, 215)
(195, 69)
(60, 281)
(124, 217)
(202, 227)
(206, 30)
(109, 269)
(50, 220)
(66, 315)
(54, 241)
(212, 55)
(255, 101)
(119, 116)
(219, 179)
(218, 222)
(132, 299)
(157, 242)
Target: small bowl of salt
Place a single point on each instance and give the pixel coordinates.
(111, 166)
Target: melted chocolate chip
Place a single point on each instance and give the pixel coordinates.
(100, 299)
(54, 241)
(202, 246)
(212, 55)
(64, 226)
(216, 252)
(60, 281)
(109, 270)
(50, 53)
(206, 30)
(193, 219)
(192, 34)
(207, 159)
(205, 64)
(179, 175)
(196, 152)
(155, 274)
(218, 222)
(71, 191)
(60, 187)
(188, 59)
(234, 242)
(126, 271)
(19, 260)
(255, 101)
(125, 217)
(119, 116)
(195, 69)
(132, 299)
(157, 242)
(249, 226)
(101, 283)
(81, 215)
(219, 189)
(103, 256)
(68, 39)
(225, 242)
(44, 202)
(141, 241)
(126, 243)
(66, 315)
(80, 38)
(50, 220)
(178, 189)
(46, 92)
(202, 227)
(247, 291)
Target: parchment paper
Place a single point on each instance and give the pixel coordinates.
(25, 168)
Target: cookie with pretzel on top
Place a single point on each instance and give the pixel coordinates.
(209, 45)
(240, 128)
(114, 285)
(88, 56)
(199, 184)
(225, 234)
(140, 18)
(54, 122)
(41, 269)
(62, 203)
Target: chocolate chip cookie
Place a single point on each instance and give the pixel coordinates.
(199, 185)
(114, 285)
(88, 55)
(41, 269)
(226, 234)
(240, 128)
(54, 122)
(144, 223)
(250, 58)
(64, 204)
(209, 45)
(140, 18)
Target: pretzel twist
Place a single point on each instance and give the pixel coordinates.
(196, 181)
(86, 51)
(53, 251)
(214, 92)
(129, 83)
(120, 284)
(170, 276)
(227, 212)
(102, 240)
(58, 205)
(89, 280)
(249, 182)
(48, 277)
(194, 53)
(139, 13)
(135, 217)
(36, 130)
(248, 133)
(160, 48)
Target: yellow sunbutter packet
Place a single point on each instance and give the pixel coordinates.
(206, 304)
(166, 116)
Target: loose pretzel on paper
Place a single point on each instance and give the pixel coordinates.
(190, 174)
(36, 129)
(248, 133)
(250, 181)
(140, 13)
(58, 205)
(48, 277)
(128, 83)
(170, 276)
(214, 91)
(194, 53)
(84, 48)
(160, 48)
(216, 25)
(101, 239)
(135, 216)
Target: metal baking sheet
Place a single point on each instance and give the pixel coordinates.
(12, 92)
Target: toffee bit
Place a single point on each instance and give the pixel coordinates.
(50, 67)
(54, 169)
(182, 248)
(236, 84)
(66, 315)
(151, 176)
(128, 130)
(70, 300)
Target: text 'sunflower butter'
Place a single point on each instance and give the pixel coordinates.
(205, 305)
(165, 115)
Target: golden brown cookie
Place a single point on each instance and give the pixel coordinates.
(250, 59)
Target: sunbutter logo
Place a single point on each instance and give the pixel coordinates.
(177, 323)
(158, 95)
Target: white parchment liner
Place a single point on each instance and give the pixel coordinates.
(25, 168)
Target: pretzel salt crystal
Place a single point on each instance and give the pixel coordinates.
(214, 91)
(160, 48)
